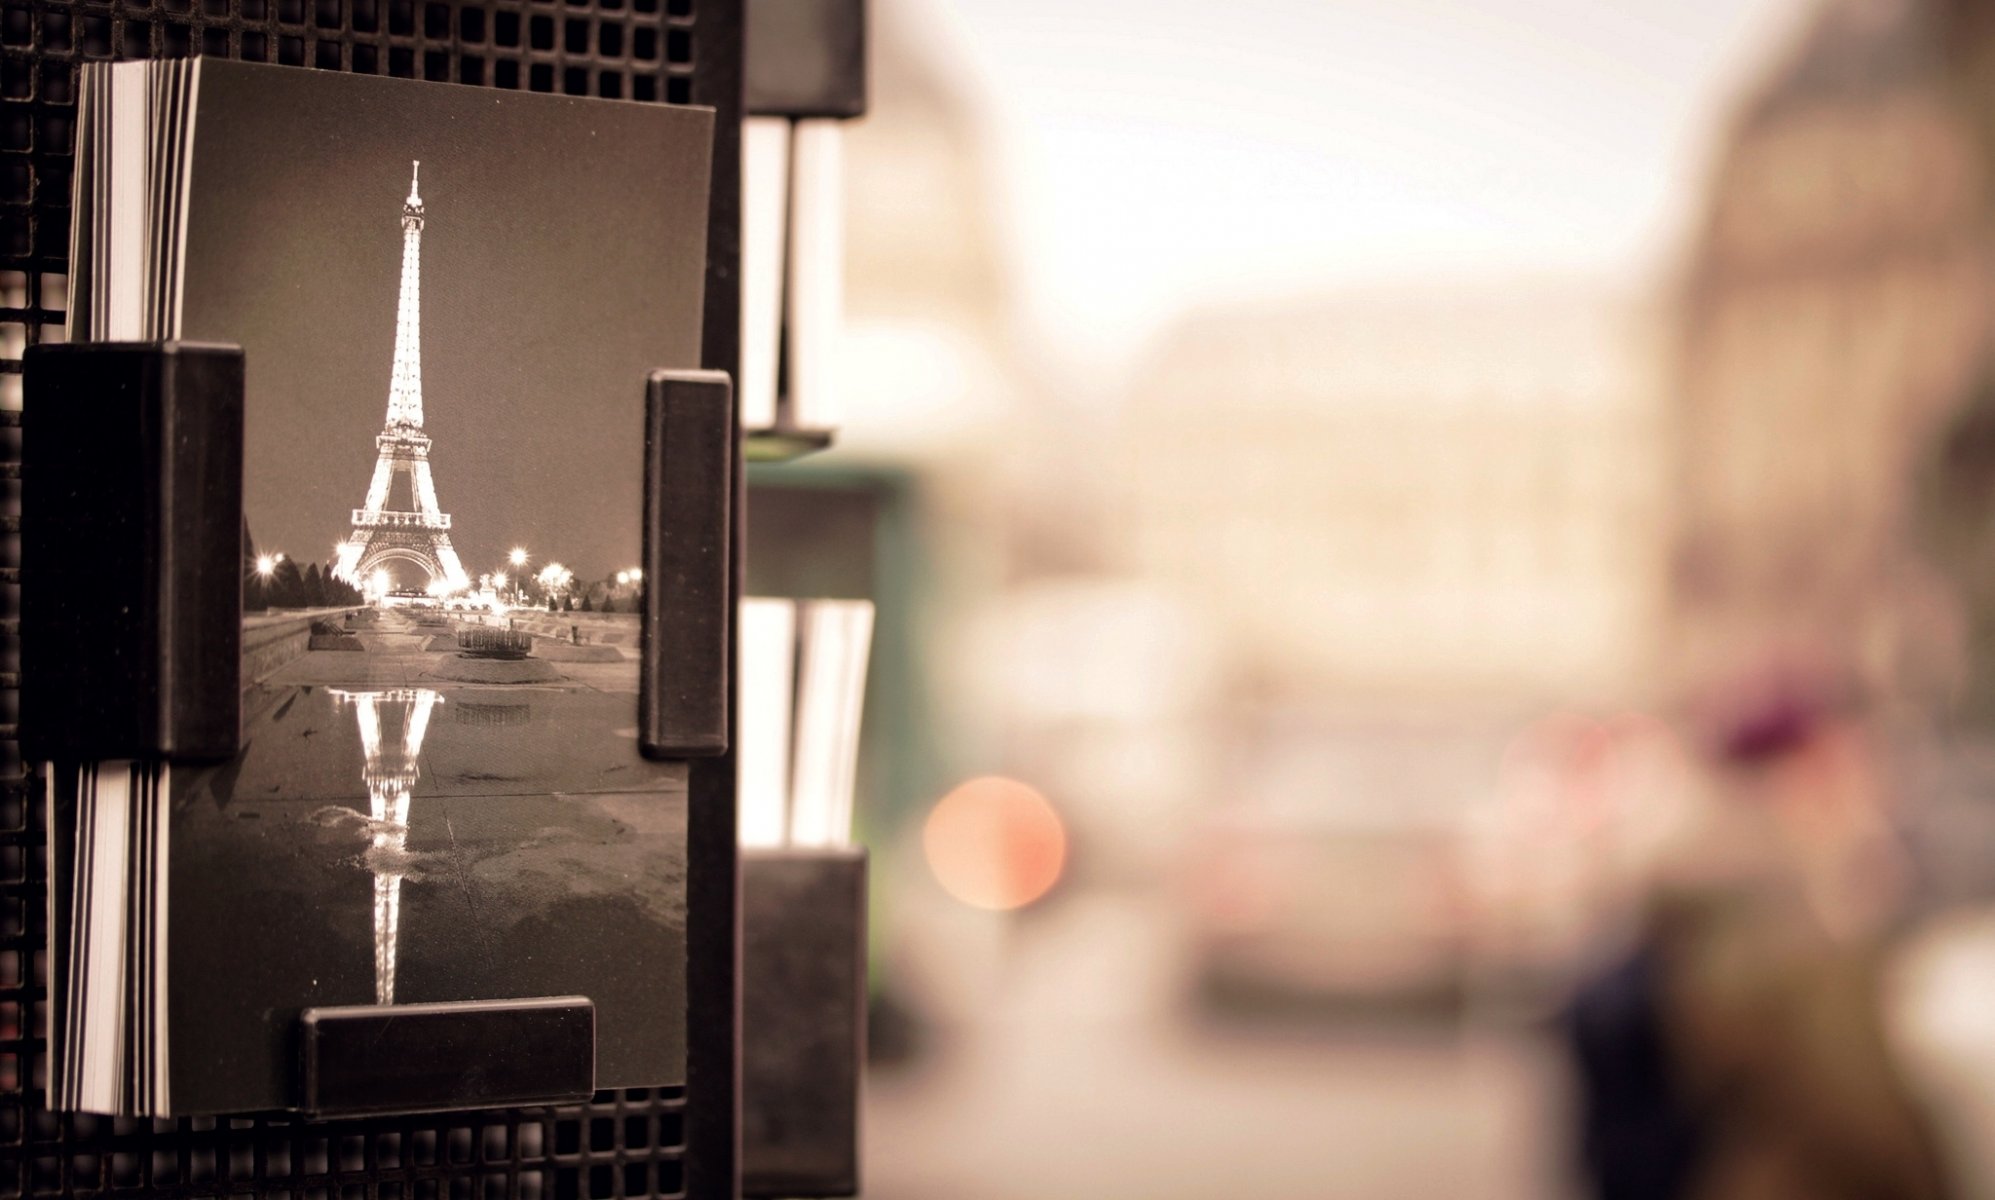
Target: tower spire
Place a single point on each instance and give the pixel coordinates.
(405, 388)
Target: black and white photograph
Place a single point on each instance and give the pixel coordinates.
(440, 795)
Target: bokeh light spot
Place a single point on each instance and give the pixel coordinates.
(995, 843)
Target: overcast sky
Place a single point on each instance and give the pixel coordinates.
(1154, 153)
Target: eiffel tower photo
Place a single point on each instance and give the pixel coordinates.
(420, 534)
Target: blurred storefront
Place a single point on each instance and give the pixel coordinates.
(1361, 638)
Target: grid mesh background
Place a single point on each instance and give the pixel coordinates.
(626, 1143)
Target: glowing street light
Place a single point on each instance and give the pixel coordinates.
(517, 557)
(266, 564)
(636, 576)
(623, 577)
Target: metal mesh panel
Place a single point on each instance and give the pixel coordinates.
(627, 1143)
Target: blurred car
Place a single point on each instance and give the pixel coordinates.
(1297, 905)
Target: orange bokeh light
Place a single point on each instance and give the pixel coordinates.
(995, 843)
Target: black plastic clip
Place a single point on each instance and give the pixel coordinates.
(405, 1058)
(688, 512)
(803, 1020)
(806, 58)
(131, 547)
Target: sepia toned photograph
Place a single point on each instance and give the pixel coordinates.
(440, 795)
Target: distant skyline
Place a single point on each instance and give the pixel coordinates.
(1152, 155)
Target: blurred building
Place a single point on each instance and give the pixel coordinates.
(908, 507)
(1833, 317)
(996, 630)
(925, 352)
(937, 375)
(1441, 497)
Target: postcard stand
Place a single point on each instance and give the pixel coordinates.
(422, 1057)
(688, 518)
(803, 995)
(803, 968)
(665, 1141)
(805, 73)
(132, 648)
(131, 522)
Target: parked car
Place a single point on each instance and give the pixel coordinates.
(1296, 904)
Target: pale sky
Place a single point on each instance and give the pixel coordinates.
(1156, 154)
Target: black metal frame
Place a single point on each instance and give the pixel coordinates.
(670, 1141)
(803, 1002)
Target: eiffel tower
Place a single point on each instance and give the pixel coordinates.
(419, 535)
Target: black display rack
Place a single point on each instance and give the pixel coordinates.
(634, 1142)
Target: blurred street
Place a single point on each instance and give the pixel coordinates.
(1370, 545)
(1088, 1076)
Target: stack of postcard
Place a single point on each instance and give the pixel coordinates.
(448, 299)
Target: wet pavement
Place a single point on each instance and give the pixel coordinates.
(390, 836)
(305, 728)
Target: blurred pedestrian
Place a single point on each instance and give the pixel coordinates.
(1737, 1052)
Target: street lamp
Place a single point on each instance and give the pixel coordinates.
(518, 556)
(266, 564)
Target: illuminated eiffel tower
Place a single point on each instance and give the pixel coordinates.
(392, 724)
(420, 534)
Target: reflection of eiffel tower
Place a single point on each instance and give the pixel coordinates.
(420, 534)
(392, 725)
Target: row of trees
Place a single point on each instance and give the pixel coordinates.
(289, 587)
(597, 598)
(556, 588)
